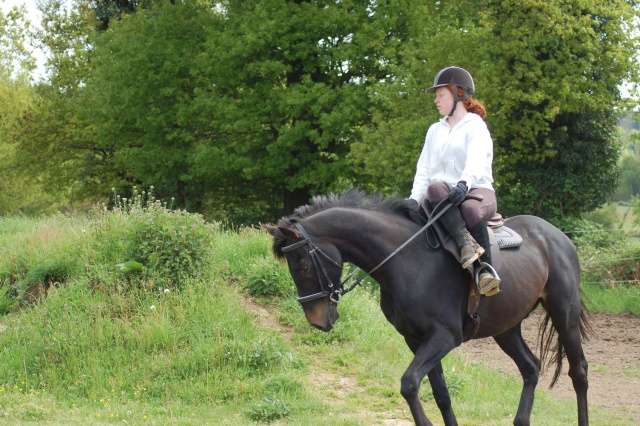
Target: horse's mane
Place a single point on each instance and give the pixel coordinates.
(355, 198)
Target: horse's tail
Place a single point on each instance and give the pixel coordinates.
(548, 338)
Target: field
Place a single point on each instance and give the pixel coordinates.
(212, 334)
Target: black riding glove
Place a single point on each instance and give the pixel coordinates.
(457, 193)
(412, 204)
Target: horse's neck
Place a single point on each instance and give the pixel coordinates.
(365, 238)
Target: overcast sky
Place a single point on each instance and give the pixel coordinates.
(33, 13)
(34, 16)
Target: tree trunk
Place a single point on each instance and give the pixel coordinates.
(296, 198)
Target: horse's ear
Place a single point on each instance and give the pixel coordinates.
(273, 230)
(289, 233)
(281, 231)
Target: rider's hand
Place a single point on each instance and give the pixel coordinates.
(457, 193)
(412, 204)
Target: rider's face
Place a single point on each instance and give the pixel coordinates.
(444, 100)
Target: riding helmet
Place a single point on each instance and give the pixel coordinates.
(457, 77)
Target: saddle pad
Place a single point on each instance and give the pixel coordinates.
(507, 237)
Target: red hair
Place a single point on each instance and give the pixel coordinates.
(471, 105)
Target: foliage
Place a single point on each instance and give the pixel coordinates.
(549, 77)
(629, 167)
(607, 216)
(556, 142)
(268, 410)
(583, 168)
(589, 235)
(243, 109)
(18, 191)
(608, 261)
(266, 278)
(170, 244)
(16, 60)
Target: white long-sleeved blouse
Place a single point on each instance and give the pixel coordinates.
(464, 152)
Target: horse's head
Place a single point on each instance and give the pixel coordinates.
(315, 266)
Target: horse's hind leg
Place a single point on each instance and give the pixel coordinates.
(512, 343)
(569, 324)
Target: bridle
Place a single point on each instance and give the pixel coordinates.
(327, 288)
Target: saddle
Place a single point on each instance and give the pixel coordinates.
(501, 237)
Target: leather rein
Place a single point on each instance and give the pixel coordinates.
(327, 288)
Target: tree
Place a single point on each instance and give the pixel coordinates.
(629, 167)
(555, 73)
(55, 148)
(250, 106)
(549, 73)
(290, 92)
(18, 191)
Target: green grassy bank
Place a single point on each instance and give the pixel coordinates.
(143, 315)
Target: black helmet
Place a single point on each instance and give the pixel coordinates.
(457, 77)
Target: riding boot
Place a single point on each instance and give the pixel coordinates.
(453, 222)
(488, 280)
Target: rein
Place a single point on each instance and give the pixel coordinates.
(335, 292)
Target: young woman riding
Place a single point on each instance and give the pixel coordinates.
(456, 164)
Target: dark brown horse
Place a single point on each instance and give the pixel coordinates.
(423, 291)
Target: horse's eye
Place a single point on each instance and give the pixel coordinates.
(304, 268)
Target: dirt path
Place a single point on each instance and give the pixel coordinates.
(613, 354)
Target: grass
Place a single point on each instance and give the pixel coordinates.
(613, 299)
(97, 345)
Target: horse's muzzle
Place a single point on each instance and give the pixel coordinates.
(322, 314)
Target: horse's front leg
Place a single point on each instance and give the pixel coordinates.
(428, 355)
(441, 394)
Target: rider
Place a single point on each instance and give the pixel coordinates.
(455, 164)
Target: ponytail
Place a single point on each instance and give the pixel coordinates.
(475, 107)
(471, 105)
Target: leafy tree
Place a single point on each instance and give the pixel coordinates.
(629, 167)
(548, 72)
(250, 107)
(138, 97)
(18, 192)
(55, 148)
(556, 68)
(107, 10)
(290, 92)
(438, 34)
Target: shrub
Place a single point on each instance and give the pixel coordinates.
(588, 234)
(606, 216)
(169, 244)
(268, 410)
(267, 277)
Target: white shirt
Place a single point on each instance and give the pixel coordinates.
(451, 155)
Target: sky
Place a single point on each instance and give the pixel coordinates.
(33, 14)
(32, 11)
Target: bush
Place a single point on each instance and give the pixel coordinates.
(606, 216)
(267, 277)
(269, 410)
(169, 244)
(586, 234)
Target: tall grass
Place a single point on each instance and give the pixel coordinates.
(183, 338)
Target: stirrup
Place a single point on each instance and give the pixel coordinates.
(490, 288)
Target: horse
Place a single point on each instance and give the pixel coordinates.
(424, 291)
